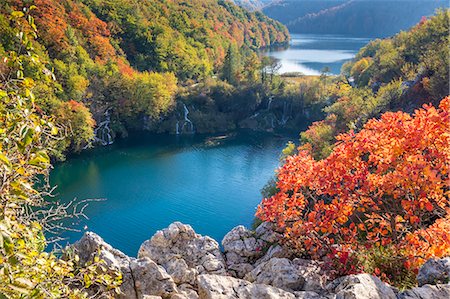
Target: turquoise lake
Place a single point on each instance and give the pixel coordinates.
(148, 181)
(310, 53)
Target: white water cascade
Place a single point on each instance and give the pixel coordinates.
(187, 125)
(269, 103)
(285, 116)
(102, 133)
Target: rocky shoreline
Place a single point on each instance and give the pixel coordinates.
(178, 263)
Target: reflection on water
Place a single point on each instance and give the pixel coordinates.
(310, 53)
(150, 181)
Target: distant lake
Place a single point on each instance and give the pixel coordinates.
(310, 53)
(149, 181)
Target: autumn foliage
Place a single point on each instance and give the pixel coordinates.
(384, 188)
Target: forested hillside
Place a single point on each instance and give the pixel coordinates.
(122, 61)
(399, 73)
(254, 4)
(373, 18)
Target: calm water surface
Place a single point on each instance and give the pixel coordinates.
(149, 181)
(310, 53)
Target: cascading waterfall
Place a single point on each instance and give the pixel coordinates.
(273, 122)
(187, 126)
(177, 128)
(285, 116)
(102, 133)
(269, 103)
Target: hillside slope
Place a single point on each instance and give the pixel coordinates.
(378, 18)
(123, 60)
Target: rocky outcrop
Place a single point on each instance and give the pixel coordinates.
(91, 245)
(295, 275)
(361, 286)
(226, 287)
(427, 292)
(243, 248)
(151, 279)
(183, 253)
(177, 263)
(278, 272)
(434, 271)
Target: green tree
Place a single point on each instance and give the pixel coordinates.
(27, 138)
(231, 65)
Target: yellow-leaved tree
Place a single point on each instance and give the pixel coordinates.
(27, 139)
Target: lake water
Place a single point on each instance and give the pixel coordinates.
(149, 181)
(310, 53)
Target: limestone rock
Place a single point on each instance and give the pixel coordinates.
(243, 244)
(296, 275)
(312, 273)
(441, 291)
(243, 247)
(277, 272)
(183, 253)
(226, 287)
(308, 295)
(151, 279)
(361, 286)
(434, 271)
(187, 291)
(91, 245)
(265, 231)
(275, 250)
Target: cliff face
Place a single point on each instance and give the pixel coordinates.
(178, 263)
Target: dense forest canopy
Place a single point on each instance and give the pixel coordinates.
(124, 60)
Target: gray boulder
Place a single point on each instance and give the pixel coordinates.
(265, 231)
(91, 245)
(312, 272)
(277, 272)
(183, 253)
(296, 275)
(275, 250)
(427, 292)
(243, 247)
(226, 287)
(434, 271)
(151, 279)
(361, 286)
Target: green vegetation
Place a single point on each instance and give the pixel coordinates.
(121, 62)
(400, 73)
(27, 138)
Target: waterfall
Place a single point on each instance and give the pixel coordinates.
(177, 128)
(102, 133)
(285, 117)
(273, 122)
(187, 122)
(269, 103)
